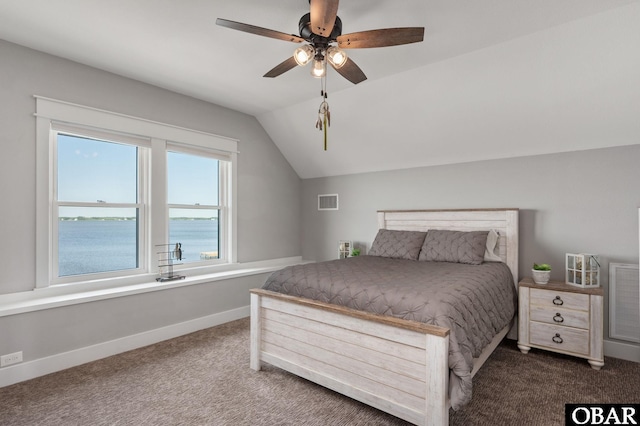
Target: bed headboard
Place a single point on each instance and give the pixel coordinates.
(504, 221)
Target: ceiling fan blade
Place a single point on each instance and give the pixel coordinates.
(282, 67)
(265, 32)
(381, 38)
(351, 72)
(323, 16)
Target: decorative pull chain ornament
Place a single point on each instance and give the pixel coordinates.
(324, 120)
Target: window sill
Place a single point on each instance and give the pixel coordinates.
(58, 296)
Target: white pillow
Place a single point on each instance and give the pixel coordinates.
(491, 253)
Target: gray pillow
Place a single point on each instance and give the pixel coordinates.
(397, 244)
(454, 246)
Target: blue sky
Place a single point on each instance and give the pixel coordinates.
(90, 170)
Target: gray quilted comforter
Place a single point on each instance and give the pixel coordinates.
(474, 301)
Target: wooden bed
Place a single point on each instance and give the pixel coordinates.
(394, 365)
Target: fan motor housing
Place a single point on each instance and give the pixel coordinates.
(304, 26)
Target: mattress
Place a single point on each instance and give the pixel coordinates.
(474, 301)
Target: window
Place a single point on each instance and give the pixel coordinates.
(194, 205)
(97, 206)
(110, 199)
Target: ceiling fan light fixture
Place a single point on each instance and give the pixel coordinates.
(319, 68)
(303, 55)
(336, 56)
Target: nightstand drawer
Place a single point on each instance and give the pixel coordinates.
(560, 338)
(559, 316)
(563, 299)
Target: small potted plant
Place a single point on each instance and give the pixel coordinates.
(355, 252)
(541, 273)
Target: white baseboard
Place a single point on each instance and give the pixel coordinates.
(39, 367)
(626, 351)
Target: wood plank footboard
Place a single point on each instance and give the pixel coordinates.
(394, 365)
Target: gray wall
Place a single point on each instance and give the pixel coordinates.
(269, 216)
(582, 202)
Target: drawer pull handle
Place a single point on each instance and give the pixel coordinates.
(558, 301)
(557, 338)
(558, 318)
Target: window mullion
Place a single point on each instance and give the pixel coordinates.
(223, 216)
(157, 190)
(142, 200)
(54, 209)
(228, 230)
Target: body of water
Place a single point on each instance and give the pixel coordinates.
(92, 246)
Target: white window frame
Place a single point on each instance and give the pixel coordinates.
(159, 137)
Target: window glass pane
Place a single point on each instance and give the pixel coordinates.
(90, 170)
(96, 239)
(197, 230)
(192, 179)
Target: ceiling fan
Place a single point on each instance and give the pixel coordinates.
(321, 29)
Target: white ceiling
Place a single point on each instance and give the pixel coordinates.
(493, 78)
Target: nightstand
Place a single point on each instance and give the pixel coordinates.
(561, 318)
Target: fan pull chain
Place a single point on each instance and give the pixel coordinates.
(324, 115)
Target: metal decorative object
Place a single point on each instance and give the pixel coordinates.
(168, 255)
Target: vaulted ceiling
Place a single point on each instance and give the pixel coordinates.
(492, 79)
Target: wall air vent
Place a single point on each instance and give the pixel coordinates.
(624, 302)
(328, 202)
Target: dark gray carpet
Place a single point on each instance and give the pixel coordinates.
(204, 379)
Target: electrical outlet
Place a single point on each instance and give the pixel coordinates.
(10, 359)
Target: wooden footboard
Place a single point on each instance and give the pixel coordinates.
(397, 366)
